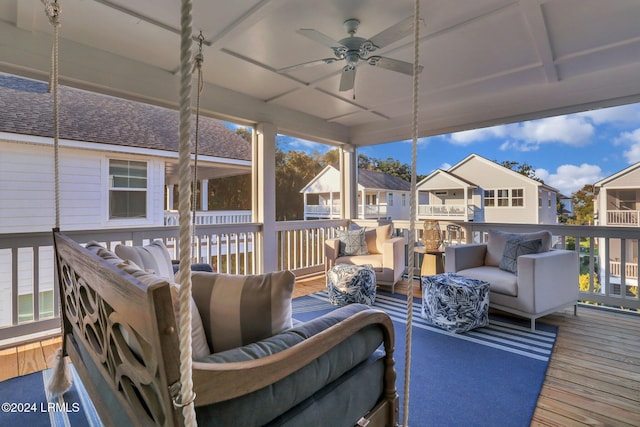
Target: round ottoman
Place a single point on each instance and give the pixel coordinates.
(347, 284)
(455, 303)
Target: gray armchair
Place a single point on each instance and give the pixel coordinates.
(534, 285)
(385, 254)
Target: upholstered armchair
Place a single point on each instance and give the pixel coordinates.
(526, 277)
(374, 246)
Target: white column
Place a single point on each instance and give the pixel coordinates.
(363, 199)
(264, 162)
(204, 195)
(304, 209)
(170, 188)
(331, 205)
(349, 182)
(466, 203)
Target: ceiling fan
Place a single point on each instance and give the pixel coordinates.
(354, 50)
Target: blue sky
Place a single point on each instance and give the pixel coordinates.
(567, 152)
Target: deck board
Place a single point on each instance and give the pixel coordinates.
(593, 377)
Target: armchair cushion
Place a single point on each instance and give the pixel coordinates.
(375, 238)
(238, 310)
(513, 248)
(352, 242)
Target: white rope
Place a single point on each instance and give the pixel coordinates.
(184, 211)
(412, 209)
(197, 65)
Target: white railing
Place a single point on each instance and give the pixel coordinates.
(446, 211)
(623, 218)
(322, 210)
(28, 297)
(211, 217)
(372, 211)
(631, 270)
(301, 244)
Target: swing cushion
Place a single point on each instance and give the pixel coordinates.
(238, 310)
(199, 346)
(154, 257)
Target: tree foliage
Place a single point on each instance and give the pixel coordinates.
(522, 168)
(389, 166)
(582, 206)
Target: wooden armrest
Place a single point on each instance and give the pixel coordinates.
(216, 382)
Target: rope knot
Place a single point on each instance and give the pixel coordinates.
(52, 10)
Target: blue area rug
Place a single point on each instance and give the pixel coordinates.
(26, 402)
(490, 376)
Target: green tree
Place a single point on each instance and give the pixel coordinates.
(522, 168)
(584, 283)
(294, 169)
(582, 206)
(245, 133)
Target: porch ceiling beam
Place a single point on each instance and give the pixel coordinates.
(83, 67)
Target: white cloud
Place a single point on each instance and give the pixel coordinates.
(570, 178)
(445, 166)
(632, 141)
(468, 137)
(621, 114)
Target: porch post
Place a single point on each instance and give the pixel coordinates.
(304, 209)
(466, 203)
(204, 195)
(330, 204)
(349, 182)
(265, 196)
(170, 204)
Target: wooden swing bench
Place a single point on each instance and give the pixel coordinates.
(122, 338)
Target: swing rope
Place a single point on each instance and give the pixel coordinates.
(197, 66)
(412, 215)
(60, 380)
(187, 397)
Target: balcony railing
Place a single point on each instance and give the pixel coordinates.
(327, 211)
(28, 297)
(364, 212)
(446, 211)
(211, 217)
(629, 218)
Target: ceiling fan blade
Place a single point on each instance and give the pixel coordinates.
(347, 79)
(307, 64)
(394, 33)
(393, 65)
(318, 37)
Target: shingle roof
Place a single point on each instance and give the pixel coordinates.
(374, 179)
(27, 108)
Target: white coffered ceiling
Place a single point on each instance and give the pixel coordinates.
(485, 61)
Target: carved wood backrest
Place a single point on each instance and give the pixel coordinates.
(128, 330)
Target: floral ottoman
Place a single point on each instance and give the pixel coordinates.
(347, 284)
(455, 303)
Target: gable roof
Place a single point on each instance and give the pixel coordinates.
(382, 181)
(454, 178)
(619, 174)
(493, 164)
(27, 108)
(367, 179)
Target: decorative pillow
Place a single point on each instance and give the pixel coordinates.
(154, 257)
(497, 240)
(513, 248)
(352, 242)
(238, 310)
(375, 237)
(199, 346)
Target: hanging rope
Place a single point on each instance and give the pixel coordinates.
(60, 380)
(187, 396)
(197, 66)
(412, 209)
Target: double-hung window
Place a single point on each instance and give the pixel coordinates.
(489, 197)
(517, 197)
(127, 189)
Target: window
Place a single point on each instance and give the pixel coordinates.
(517, 197)
(390, 199)
(25, 306)
(404, 199)
(127, 189)
(489, 198)
(503, 197)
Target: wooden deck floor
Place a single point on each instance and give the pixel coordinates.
(593, 377)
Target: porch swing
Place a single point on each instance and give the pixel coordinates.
(138, 364)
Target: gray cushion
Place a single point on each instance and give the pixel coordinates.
(238, 310)
(154, 257)
(513, 248)
(352, 242)
(497, 240)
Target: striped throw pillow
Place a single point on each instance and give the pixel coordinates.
(238, 310)
(154, 257)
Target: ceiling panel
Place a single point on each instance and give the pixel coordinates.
(316, 103)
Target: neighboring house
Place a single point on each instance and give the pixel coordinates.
(617, 203)
(477, 189)
(118, 168)
(118, 159)
(380, 195)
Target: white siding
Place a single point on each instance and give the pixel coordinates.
(27, 189)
